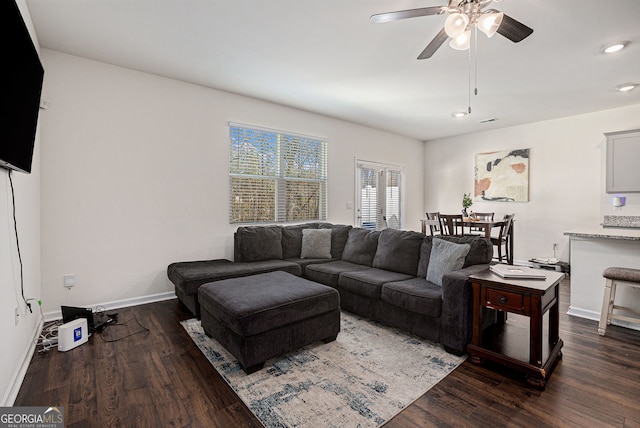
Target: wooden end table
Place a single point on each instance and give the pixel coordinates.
(512, 345)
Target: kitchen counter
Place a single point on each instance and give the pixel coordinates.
(592, 251)
(606, 233)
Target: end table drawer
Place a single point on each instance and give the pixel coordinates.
(504, 300)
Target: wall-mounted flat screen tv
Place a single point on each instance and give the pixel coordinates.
(20, 89)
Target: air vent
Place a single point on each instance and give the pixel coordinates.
(493, 119)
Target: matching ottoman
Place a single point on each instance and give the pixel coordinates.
(263, 316)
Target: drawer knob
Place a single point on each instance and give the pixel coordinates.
(503, 299)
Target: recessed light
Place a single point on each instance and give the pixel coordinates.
(459, 114)
(614, 47)
(626, 87)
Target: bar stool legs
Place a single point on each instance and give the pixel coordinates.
(617, 276)
(607, 305)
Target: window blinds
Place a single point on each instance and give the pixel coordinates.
(276, 176)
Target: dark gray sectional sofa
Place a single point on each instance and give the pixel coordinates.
(381, 275)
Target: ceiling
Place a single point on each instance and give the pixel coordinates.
(324, 56)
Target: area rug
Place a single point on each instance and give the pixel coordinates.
(362, 379)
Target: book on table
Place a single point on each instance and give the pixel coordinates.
(517, 272)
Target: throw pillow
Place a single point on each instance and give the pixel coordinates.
(316, 244)
(445, 257)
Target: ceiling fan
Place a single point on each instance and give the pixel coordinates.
(462, 16)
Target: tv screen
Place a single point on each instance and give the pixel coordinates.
(20, 90)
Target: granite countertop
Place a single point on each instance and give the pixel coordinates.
(613, 227)
(605, 233)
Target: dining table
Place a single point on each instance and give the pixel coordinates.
(485, 225)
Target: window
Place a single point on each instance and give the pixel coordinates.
(276, 176)
(380, 195)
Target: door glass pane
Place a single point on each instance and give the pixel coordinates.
(393, 200)
(368, 215)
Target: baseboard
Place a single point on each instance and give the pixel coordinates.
(583, 313)
(16, 381)
(595, 316)
(108, 306)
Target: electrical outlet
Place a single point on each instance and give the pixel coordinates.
(17, 315)
(69, 281)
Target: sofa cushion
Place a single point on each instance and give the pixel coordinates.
(339, 235)
(368, 282)
(481, 251)
(445, 257)
(361, 246)
(292, 239)
(416, 295)
(256, 243)
(316, 243)
(398, 251)
(328, 273)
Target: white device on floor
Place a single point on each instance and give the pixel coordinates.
(72, 334)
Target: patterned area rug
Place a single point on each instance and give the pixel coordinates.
(362, 379)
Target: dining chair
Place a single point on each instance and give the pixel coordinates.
(434, 223)
(474, 230)
(503, 238)
(451, 224)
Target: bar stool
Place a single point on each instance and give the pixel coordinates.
(617, 276)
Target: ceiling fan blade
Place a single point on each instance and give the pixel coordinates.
(432, 47)
(514, 30)
(403, 14)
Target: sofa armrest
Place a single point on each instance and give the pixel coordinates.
(456, 318)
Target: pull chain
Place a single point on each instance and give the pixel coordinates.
(475, 59)
(469, 92)
(474, 41)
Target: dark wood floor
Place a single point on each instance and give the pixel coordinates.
(161, 379)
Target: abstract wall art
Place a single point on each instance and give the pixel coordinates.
(502, 176)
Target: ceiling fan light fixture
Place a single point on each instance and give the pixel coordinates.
(626, 87)
(489, 22)
(456, 24)
(462, 41)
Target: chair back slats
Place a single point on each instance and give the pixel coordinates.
(434, 223)
(506, 229)
(451, 224)
(503, 239)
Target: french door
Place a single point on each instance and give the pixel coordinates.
(379, 197)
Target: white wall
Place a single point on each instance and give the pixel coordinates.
(17, 340)
(135, 175)
(566, 182)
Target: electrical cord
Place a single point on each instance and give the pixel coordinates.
(15, 226)
(144, 330)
